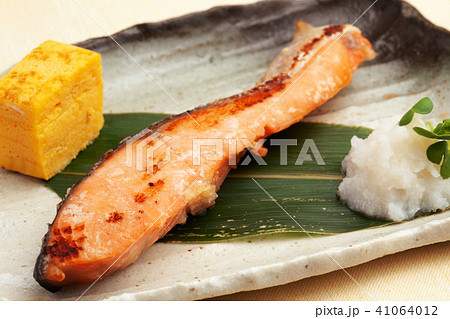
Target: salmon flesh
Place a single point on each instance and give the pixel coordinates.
(140, 190)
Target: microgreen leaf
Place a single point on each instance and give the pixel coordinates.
(439, 151)
(430, 125)
(407, 118)
(430, 134)
(424, 106)
(424, 132)
(436, 151)
(445, 167)
(442, 128)
(439, 128)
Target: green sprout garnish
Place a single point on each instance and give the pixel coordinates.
(424, 106)
(439, 152)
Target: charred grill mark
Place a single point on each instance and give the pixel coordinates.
(156, 184)
(305, 50)
(140, 198)
(231, 105)
(79, 227)
(67, 230)
(151, 143)
(115, 217)
(81, 239)
(62, 248)
(308, 47)
(332, 29)
(260, 93)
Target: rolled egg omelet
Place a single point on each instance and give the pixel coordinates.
(51, 108)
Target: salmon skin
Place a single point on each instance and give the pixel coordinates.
(137, 192)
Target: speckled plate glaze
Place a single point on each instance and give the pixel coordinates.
(204, 56)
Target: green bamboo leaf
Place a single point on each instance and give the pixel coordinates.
(307, 191)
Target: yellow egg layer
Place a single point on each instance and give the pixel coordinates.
(51, 106)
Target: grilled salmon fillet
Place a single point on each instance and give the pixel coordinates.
(137, 192)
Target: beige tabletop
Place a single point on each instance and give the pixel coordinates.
(418, 274)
